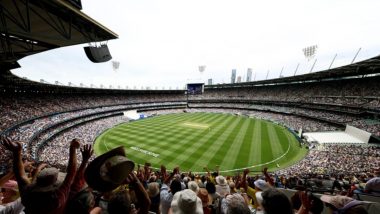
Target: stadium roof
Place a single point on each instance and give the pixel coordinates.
(367, 67)
(32, 26)
(9, 81)
(12, 83)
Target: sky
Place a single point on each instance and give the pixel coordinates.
(162, 43)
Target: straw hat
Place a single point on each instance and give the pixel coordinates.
(107, 171)
(49, 179)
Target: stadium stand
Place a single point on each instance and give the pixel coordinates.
(46, 118)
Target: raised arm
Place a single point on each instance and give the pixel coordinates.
(64, 189)
(306, 203)
(207, 170)
(79, 181)
(141, 194)
(244, 179)
(147, 171)
(18, 165)
(267, 177)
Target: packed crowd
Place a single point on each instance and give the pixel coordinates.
(40, 129)
(55, 152)
(25, 131)
(350, 92)
(348, 160)
(290, 121)
(362, 94)
(294, 113)
(346, 168)
(27, 106)
(111, 183)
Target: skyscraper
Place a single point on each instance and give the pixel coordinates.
(249, 74)
(233, 76)
(209, 82)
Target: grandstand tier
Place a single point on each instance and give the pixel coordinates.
(46, 117)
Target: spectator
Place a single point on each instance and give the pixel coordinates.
(109, 170)
(166, 194)
(154, 195)
(50, 192)
(206, 200)
(81, 199)
(186, 201)
(309, 204)
(373, 185)
(193, 186)
(10, 203)
(234, 204)
(221, 186)
(214, 196)
(343, 204)
(273, 202)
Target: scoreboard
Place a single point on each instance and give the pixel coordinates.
(195, 88)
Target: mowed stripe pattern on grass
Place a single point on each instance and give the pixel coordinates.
(231, 141)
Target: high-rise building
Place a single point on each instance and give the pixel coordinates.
(233, 76)
(249, 74)
(209, 81)
(238, 79)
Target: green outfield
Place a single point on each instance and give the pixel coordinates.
(195, 140)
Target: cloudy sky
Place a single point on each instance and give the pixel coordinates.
(162, 42)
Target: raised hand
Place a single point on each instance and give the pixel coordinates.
(147, 171)
(265, 170)
(176, 170)
(29, 165)
(305, 200)
(140, 173)
(246, 171)
(14, 147)
(163, 169)
(75, 144)
(87, 152)
(131, 178)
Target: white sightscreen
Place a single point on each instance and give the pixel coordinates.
(132, 115)
(358, 133)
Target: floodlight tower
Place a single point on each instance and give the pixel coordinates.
(115, 65)
(201, 69)
(309, 53)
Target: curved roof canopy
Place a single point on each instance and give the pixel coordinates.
(32, 26)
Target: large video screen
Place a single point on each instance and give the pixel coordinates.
(195, 88)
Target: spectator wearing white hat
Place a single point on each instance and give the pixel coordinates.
(193, 186)
(234, 203)
(186, 201)
(222, 186)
